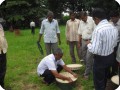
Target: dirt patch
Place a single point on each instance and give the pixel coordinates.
(30, 87)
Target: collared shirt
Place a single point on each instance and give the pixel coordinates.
(32, 24)
(72, 30)
(49, 30)
(49, 63)
(104, 39)
(86, 28)
(3, 42)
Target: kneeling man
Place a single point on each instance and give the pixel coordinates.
(51, 65)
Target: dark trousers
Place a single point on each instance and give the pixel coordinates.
(3, 62)
(33, 30)
(115, 65)
(49, 77)
(101, 68)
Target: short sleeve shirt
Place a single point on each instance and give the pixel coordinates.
(49, 63)
(50, 30)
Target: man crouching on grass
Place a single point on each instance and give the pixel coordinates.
(51, 65)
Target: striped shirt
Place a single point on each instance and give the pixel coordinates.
(104, 39)
(49, 30)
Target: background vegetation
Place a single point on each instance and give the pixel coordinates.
(19, 13)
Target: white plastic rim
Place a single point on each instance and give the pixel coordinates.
(74, 66)
(115, 79)
(67, 75)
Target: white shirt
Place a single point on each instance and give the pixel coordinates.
(32, 24)
(104, 39)
(3, 42)
(49, 63)
(49, 30)
(86, 28)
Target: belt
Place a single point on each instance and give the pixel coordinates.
(86, 39)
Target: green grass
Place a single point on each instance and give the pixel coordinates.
(23, 57)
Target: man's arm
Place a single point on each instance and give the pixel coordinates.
(67, 32)
(41, 31)
(57, 75)
(79, 40)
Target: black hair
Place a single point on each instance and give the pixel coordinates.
(114, 13)
(58, 51)
(83, 13)
(99, 13)
(50, 13)
(72, 13)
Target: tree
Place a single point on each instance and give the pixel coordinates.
(20, 12)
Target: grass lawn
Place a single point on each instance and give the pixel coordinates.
(23, 57)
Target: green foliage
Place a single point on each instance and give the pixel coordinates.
(64, 20)
(16, 18)
(23, 10)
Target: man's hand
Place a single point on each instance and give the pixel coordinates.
(70, 80)
(88, 41)
(75, 75)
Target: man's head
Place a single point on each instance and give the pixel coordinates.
(98, 14)
(50, 16)
(114, 16)
(72, 16)
(83, 16)
(58, 53)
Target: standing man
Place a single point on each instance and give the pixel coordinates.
(32, 25)
(85, 30)
(115, 18)
(104, 39)
(50, 29)
(3, 51)
(51, 65)
(72, 26)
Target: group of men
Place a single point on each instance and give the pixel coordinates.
(96, 41)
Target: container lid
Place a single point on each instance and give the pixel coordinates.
(74, 66)
(115, 79)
